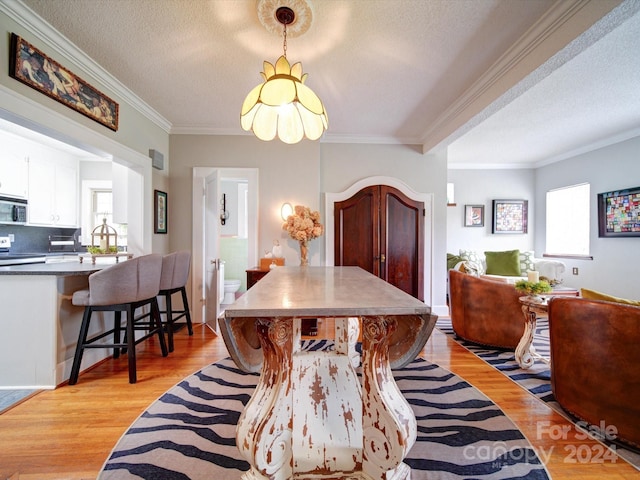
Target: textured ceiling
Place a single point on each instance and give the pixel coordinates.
(388, 71)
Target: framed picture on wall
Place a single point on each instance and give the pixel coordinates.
(159, 212)
(34, 68)
(474, 215)
(509, 216)
(619, 213)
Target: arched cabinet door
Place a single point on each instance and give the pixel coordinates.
(381, 230)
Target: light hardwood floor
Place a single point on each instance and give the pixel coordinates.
(69, 432)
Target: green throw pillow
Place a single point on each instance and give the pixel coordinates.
(452, 260)
(503, 263)
(593, 295)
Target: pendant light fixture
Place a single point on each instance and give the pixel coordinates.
(283, 105)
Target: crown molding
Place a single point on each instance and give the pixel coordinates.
(605, 142)
(23, 15)
(529, 46)
(490, 166)
(328, 137)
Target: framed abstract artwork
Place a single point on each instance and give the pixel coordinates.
(34, 68)
(159, 212)
(474, 215)
(509, 216)
(619, 213)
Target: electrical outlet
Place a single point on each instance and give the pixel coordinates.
(12, 237)
(575, 270)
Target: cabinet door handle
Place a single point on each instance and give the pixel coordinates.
(383, 258)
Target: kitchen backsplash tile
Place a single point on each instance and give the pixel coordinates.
(36, 239)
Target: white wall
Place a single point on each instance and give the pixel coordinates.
(614, 268)
(300, 174)
(481, 187)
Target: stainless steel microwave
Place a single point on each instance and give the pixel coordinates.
(13, 211)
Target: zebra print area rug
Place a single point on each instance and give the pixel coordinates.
(189, 432)
(536, 379)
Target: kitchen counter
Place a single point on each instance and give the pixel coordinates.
(40, 324)
(73, 267)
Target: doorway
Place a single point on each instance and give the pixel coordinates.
(206, 280)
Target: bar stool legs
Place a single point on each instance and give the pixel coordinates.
(130, 341)
(172, 316)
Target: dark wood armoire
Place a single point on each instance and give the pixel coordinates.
(382, 231)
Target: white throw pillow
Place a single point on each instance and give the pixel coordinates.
(527, 263)
(474, 258)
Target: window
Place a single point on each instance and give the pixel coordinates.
(568, 220)
(101, 209)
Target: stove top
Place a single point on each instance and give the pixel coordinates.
(10, 258)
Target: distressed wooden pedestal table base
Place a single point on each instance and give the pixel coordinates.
(525, 353)
(311, 417)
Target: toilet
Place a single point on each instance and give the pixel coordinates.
(231, 286)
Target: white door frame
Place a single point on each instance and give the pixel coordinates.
(198, 294)
(427, 198)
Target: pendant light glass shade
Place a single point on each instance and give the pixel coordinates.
(284, 106)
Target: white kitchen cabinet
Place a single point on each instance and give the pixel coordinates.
(53, 191)
(14, 170)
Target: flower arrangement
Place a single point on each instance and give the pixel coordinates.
(533, 288)
(302, 226)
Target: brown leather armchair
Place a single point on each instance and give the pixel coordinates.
(595, 363)
(485, 311)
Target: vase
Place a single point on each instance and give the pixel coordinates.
(304, 254)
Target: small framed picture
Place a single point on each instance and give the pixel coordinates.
(509, 216)
(474, 215)
(160, 212)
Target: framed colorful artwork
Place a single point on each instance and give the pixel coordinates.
(509, 216)
(619, 213)
(474, 215)
(159, 212)
(32, 67)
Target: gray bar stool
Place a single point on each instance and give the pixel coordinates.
(175, 273)
(123, 287)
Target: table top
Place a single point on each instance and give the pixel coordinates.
(321, 292)
(542, 302)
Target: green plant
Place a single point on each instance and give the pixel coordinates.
(532, 288)
(93, 250)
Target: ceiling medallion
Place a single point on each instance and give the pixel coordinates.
(303, 16)
(283, 105)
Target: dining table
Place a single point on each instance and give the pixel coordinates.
(326, 409)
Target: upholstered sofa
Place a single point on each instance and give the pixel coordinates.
(595, 363)
(508, 265)
(485, 311)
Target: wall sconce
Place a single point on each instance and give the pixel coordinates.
(286, 210)
(224, 215)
